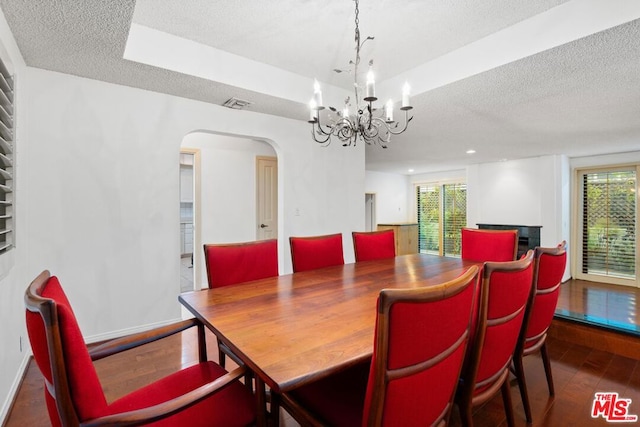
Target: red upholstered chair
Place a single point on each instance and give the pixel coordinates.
(310, 253)
(504, 294)
(374, 245)
(419, 345)
(549, 266)
(233, 263)
(203, 394)
(489, 245)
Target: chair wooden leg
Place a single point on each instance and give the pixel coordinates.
(202, 344)
(274, 409)
(522, 385)
(466, 412)
(221, 356)
(248, 380)
(547, 368)
(261, 402)
(506, 400)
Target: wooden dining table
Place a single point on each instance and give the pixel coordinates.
(296, 328)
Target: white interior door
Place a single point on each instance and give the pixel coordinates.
(267, 197)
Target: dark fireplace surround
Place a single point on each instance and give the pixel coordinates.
(528, 235)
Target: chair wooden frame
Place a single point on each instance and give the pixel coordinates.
(466, 397)
(381, 374)
(529, 345)
(60, 388)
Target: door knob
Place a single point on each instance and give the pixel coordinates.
(263, 225)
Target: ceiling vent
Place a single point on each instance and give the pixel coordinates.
(236, 104)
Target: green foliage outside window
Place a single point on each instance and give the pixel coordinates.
(609, 223)
(442, 212)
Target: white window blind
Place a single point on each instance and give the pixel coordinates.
(6, 158)
(609, 223)
(454, 218)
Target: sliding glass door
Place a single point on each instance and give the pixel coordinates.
(442, 212)
(608, 226)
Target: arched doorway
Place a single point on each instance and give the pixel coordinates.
(225, 205)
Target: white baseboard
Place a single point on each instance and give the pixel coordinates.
(13, 391)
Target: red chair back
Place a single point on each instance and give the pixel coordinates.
(374, 245)
(232, 263)
(549, 269)
(62, 356)
(549, 266)
(489, 245)
(310, 253)
(504, 294)
(421, 338)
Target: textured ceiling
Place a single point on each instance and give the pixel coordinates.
(578, 98)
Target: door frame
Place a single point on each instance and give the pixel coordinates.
(576, 216)
(197, 243)
(374, 218)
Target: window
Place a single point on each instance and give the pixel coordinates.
(442, 212)
(6, 159)
(608, 225)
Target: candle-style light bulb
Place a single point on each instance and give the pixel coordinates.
(389, 111)
(317, 94)
(345, 111)
(371, 87)
(313, 110)
(405, 95)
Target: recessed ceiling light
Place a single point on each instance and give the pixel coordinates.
(410, 170)
(472, 151)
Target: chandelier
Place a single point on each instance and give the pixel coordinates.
(366, 123)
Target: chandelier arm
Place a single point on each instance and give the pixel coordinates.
(369, 135)
(384, 141)
(320, 130)
(314, 134)
(407, 119)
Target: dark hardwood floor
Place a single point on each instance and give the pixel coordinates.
(579, 370)
(611, 306)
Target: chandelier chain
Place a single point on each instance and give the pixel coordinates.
(355, 66)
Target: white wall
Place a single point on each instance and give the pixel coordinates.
(227, 190)
(521, 192)
(392, 196)
(100, 163)
(12, 265)
(105, 167)
(532, 191)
